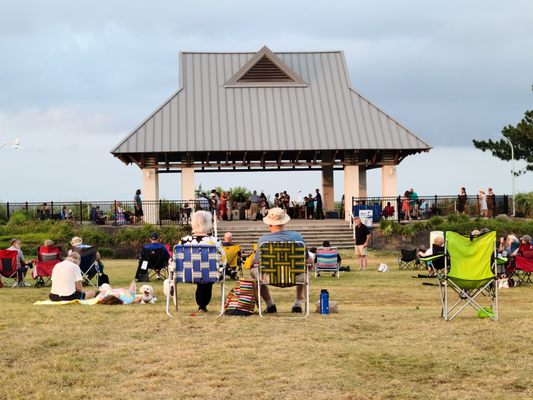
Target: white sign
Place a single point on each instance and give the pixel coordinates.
(366, 217)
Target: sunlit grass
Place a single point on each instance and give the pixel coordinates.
(387, 341)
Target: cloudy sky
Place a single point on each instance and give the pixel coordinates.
(77, 76)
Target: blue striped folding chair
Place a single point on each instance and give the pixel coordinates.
(194, 263)
(327, 261)
(282, 264)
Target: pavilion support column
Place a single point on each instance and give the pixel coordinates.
(328, 199)
(362, 182)
(351, 188)
(389, 181)
(187, 184)
(150, 195)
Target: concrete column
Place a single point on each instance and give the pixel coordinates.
(150, 195)
(362, 182)
(389, 181)
(187, 184)
(351, 188)
(328, 199)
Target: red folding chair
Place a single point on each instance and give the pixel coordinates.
(8, 267)
(47, 258)
(523, 264)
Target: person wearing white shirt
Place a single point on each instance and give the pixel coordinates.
(67, 280)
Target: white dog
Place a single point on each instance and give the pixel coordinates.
(147, 294)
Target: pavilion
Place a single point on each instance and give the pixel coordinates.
(268, 111)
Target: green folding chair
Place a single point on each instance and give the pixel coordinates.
(471, 274)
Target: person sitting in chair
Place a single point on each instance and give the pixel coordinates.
(78, 246)
(438, 244)
(22, 265)
(154, 246)
(388, 211)
(276, 220)
(326, 245)
(231, 271)
(67, 280)
(201, 227)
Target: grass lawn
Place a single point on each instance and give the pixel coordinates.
(386, 342)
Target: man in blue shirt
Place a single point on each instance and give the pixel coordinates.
(154, 255)
(276, 220)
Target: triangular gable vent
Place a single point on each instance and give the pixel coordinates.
(265, 69)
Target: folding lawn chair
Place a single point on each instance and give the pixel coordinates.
(89, 266)
(282, 264)
(523, 264)
(436, 260)
(8, 267)
(472, 275)
(47, 258)
(327, 261)
(408, 259)
(152, 262)
(195, 263)
(234, 263)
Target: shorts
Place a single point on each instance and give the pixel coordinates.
(73, 296)
(139, 212)
(360, 250)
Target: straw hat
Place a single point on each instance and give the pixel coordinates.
(276, 216)
(76, 241)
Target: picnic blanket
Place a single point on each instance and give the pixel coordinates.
(126, 296)
(88, 302)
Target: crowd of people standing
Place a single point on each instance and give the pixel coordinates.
(308, 207)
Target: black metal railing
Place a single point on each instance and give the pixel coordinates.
(399, 208)
(158, 212)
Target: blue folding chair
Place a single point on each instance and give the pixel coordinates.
(195, 263)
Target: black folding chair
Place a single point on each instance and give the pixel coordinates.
(408, 260)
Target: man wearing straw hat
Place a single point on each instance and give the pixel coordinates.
(276, 220)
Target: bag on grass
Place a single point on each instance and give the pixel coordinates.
(241, 299)
(503, 283)
(383, 267)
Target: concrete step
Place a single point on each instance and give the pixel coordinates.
(314, 232)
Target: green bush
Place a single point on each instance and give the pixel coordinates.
(240, 194)
(524, 205)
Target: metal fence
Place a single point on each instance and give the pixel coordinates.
(160, 212)
(428, 206)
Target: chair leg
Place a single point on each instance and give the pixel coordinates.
(222, 297)
(259, 305)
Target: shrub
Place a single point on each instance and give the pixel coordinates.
(240, 194)
(19, 217)
(524, 204)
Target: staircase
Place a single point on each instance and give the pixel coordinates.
(246, 233)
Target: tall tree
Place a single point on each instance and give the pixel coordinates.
(521, 136)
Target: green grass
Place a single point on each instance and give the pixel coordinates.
(386, 342)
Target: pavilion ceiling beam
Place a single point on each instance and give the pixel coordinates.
(396, 157)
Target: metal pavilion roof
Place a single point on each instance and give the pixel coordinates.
(266, 110)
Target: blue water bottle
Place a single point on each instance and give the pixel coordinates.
(324, 301)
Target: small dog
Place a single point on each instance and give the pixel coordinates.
(147, 294)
